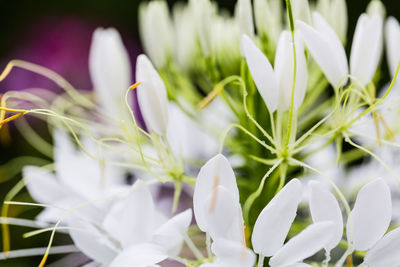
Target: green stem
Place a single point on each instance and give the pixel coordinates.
(290, 16)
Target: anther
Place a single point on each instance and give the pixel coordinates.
(134, 86)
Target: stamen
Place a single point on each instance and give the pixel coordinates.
(13, 117)
(387, 128)
(215, 194)
(349, 261)
(376, 122)
(134, 86)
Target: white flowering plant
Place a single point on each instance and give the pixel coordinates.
(268, 145)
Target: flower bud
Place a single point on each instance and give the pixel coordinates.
(244, 17)
(335, 13)
(268, 18)
(152, 96)
(110, 69)
(156, 31)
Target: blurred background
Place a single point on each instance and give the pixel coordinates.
(57, 35)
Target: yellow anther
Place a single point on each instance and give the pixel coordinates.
(44, 259)
(134, 86)
(13, 117)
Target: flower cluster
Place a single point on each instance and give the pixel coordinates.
(245, 140)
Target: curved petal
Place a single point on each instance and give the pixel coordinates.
(143, 255)
(262, 73)
(87, 240)
(366, 49)
(110, 69)
(392, 34)
(386, 251)
(373, 205)
(152, 96)
(131, 221)
(234, 254)
(324, 207)
(284, 66)
(217, 171)
(170, 235)
(43, 185)
(274, 221)
(326, 49)
(223, 215)
(304, 245)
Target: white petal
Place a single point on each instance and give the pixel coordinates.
(152, 96)
(211, 265)
(284, 64)
(300, 264)
(223, 215)
(274, 221)
(110, 69)
(386, 251)
(131, 221)
(324, 207)
(143, 255)
(392, 34)
(217, 171)
(170, 234)
(370, 216)
(326, 49)
(87, 240)
(366, 49)
(43, 185)
(231, 253)
(262, 73)
(304, 245)
(244, 18)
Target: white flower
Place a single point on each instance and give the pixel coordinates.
(110, 70)
(327, 50)
(392, 34)
(303, 245)
(273, 224)
(152, 96)
(78, 179)
(324, 207)
(216, 201)
(373, 205)
(231, 254)
(133, 233)
(274, 221)
(385, 251)
(156, 31)
(276, 86)
(244, 17)
(335, 13)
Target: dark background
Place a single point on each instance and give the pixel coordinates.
(57, 34)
